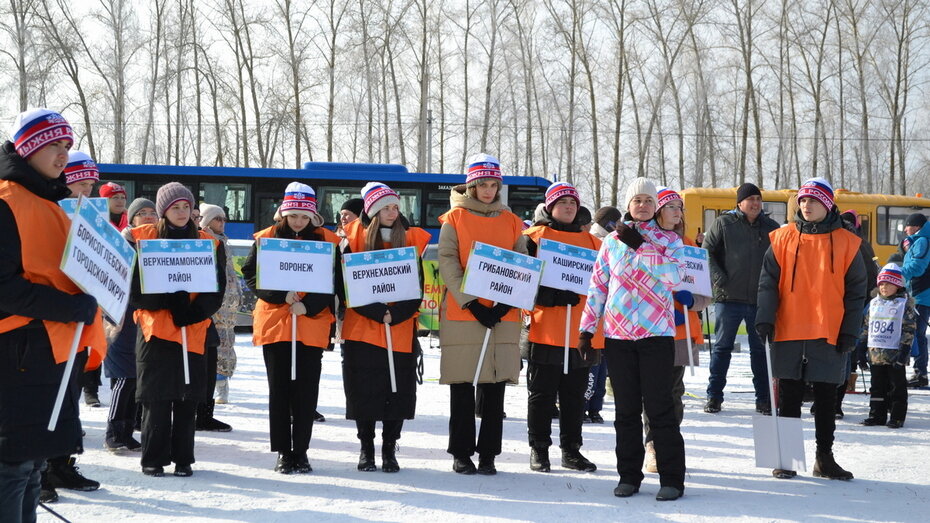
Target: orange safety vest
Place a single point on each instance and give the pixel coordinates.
(160, 323)
(43, 230)
(356, 327)
(547, 324)
(815, 308)
(501, 231)
(697, 336)
(271, 322)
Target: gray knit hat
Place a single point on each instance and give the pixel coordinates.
(170, 193)
(137, 205)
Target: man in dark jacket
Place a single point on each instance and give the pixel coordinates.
(736, 243)
(39, 306)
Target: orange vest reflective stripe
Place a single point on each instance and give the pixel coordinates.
(271, 322)
(43, 230)
(697, 337)
(501, 231)
(160, 323)
(815, 308)
(356, 327)
(547, 324)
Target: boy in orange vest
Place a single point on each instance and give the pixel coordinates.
(39, 310)
(811, 326)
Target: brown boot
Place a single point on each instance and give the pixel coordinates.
(851, 382)
(826, 467)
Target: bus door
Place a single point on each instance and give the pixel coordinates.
(267, 205)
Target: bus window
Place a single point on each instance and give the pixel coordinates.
(234, 198)
(777, 211)
(890, 223)
(709, 216)
(523, 200)
(330, 199)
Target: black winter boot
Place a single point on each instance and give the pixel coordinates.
(206, 421)
(388, 456)
(47, 493)
(572, 459)
(826, 467)
(539, 459)
(62, 473)
(366, 458)
(486, 466)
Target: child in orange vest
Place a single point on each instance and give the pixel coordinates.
(364, 365)
(292, 403)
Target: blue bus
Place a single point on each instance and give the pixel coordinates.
(250, 196)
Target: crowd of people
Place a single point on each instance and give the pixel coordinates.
(802, 289)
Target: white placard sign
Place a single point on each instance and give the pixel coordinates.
(502, 276)
(697, 271)
(382, 276)
(566, 267)
(177, 265)
(99, 260)
(101, 205)
(295, 265)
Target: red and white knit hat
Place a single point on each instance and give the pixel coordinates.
(378, 196)
(33, 129)
(560, 190)
(481, 166)
(665, 196)
(299, 198)
(109, 189)
(892, 274)
(80, 167)
(818, 188)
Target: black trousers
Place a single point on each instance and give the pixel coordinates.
(544, 383)
(204, 409)
(462, 419)
(291, 403)
(390, 429)
(889, 393)
(122, 415)
(790, 397)
(641, 374)
(168, 432)
(90, 380)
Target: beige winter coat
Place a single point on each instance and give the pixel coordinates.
(460, 341)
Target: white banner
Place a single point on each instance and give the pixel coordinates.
(177, 265)
(502, 276)
(383, 276)
(295, 265)
(99, 260)
(101, 205)
(697, 271)
(566, 267)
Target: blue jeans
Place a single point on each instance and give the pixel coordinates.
(920, 362)
(729, 316)
(597, 386)
(19, 491)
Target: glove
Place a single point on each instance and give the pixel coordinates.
(298, 308)
(584, 346)
(685, 298)
(629, 236)
(485, 315)
(563, 298)
(679, 318)
(766, 331)
(290, 297)
(546, 296)
(85, 308)
(500, 310)
(178, 303)
(845, 343)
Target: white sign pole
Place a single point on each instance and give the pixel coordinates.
(773, 401)
(390, 355)
(187, 368)
(688, 339)
(484, 349)
(568, 326)
(65, 378)
(293, 347)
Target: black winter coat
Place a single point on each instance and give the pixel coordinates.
(735, 249)
(367, 382)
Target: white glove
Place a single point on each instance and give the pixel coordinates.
(298, 308)
(290, 298)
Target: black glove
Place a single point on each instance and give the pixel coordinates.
(845, 344)
(372, 311)
(766, 331)
(85, 308)
(863, 365)
(178, 302)
(563, 298)
(629, 236)
(500, 310)
(584, 346)
(485, 315)
(546, 296)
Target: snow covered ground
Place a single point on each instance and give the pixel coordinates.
(233, 477)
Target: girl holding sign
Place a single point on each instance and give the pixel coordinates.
(292, 402)
(365, 370)
(671, 217)
(168, 404)
(635, 273)
(477, 214)
(548, 337)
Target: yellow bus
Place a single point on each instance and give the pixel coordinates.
(882, 215)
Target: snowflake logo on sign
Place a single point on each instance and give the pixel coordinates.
(187, 247)
(164, 244)
(366, 257)
(496, 252)
(198, 243)
(264, 242)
